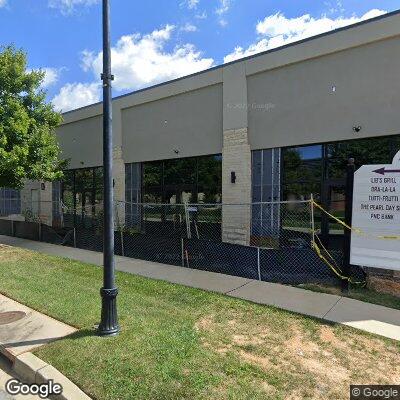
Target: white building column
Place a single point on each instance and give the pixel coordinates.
(236, 158)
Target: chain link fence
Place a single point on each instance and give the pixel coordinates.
(265, 241)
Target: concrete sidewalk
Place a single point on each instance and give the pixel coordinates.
(23, 329)
(365, 316)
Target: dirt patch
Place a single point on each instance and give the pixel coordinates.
(382, 285)
(263, 362)
(204, 324)
(330, 357)
(244, 340)
(9, 253)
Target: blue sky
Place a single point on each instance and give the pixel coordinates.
(155, 41)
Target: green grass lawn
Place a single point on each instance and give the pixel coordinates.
(183, 343)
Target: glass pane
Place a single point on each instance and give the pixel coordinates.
(364, 151)
(98, 178)
(256, 167)
(68, 199)
(182, 171)
(210, 179)
(302, 164)
(152, 195)
(301, 191)
(83, 179)
(337, 208)
(68, 180)
(152, 173)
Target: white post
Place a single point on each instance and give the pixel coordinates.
(187, 217)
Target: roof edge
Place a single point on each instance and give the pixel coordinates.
(274, 50)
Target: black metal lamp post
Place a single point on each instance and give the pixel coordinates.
(109, 319)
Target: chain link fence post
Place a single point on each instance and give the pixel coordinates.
(122, 243)
(258, 264)
(74, 237)
(183, 252)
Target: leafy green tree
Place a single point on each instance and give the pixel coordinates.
(28, 144)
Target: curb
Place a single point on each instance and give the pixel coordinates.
(34, 370)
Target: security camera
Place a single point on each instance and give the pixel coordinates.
(357, 129)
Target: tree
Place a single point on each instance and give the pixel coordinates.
(28, 144)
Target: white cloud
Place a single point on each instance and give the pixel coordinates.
(223, 7)
(223, 22)
(188, 27)
(3, 3)
(277, 30)
(334, 6)
(141, 60)
(75, 95)
(137, 61)
(202, 15)
(190, 4)
(68, 6)
(221, 10)
(51, 77)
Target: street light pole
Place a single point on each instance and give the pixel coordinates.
(109, 319)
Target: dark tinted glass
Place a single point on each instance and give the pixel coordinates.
(364, 151)
(98, 177)
(256, 167)
(152, 195)
(302, 164)
(210, 173)
(182, 171)
(83, 179)
(152, 173)
(195, 179)
(68, 180)
(301, 190)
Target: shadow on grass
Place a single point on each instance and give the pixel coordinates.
(83, 333)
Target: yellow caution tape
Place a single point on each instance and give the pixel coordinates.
(356, 230)
(331, 266)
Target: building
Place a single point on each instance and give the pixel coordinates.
(279, 125)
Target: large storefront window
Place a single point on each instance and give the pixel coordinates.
(82, 193)
(302, 172)
(186, 180)
(266, 167)
(321, 170)
(10, 201)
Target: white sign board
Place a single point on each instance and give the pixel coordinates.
(376, 212)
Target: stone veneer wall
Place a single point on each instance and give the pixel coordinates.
(45, 200)
(236, 156)
(119, 185)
